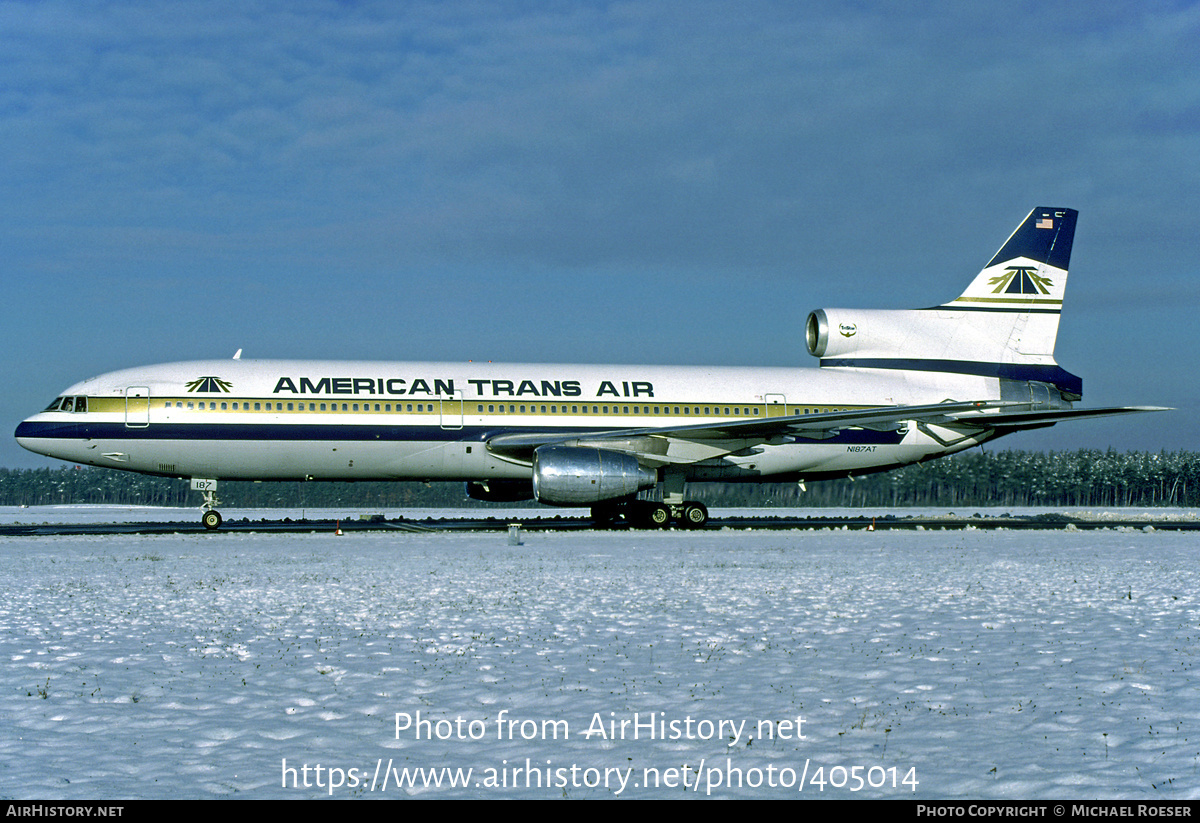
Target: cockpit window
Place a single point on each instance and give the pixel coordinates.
(69, 404)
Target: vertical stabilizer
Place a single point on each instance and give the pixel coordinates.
(1029, 273)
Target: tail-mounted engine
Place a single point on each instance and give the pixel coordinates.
(836, 333)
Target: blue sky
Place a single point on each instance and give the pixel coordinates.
(634, 182)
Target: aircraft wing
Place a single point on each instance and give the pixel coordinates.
(662, 445)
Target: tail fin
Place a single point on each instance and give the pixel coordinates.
(1021, 289)
(1029, 273)
(1004, 325)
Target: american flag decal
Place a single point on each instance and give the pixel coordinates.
(1046, 223)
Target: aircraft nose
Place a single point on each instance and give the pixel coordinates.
(25, 434)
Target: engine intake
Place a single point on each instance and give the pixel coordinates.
(574, 476)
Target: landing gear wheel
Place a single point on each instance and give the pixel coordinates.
(657, 516)
(695, 516)
(211, 519)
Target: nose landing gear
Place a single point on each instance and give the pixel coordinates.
(211, 519)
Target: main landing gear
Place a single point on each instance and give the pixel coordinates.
(645, 514)
(671, 507)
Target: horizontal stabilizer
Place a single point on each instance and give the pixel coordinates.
(1033, 419)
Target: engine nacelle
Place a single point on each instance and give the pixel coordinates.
(578, 476)
(929, 334)
(500, 491)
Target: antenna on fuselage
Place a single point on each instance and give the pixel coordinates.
(237, 355)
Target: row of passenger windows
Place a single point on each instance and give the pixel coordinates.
(737, 411)
(312, 407)
(80, 404)
(490, 408)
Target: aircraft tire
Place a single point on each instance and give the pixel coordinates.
(211, 519)
(695, 516)
(657, 516)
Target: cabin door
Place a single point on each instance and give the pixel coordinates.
(137, 407)
(452, 411)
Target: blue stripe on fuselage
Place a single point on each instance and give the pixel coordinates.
(295, 432)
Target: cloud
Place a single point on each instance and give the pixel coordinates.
(765, 148)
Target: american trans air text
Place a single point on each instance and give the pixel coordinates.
(489, 388)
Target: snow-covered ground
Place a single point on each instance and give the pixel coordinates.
(957, 664)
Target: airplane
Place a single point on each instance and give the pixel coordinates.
(893, 388)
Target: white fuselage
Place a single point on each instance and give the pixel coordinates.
(340, 420)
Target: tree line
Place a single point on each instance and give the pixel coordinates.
(1085, 478)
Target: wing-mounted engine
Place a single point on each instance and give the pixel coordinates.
(576, 476)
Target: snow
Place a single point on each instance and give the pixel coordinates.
(973, 664)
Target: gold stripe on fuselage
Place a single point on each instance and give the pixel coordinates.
(474, 408)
